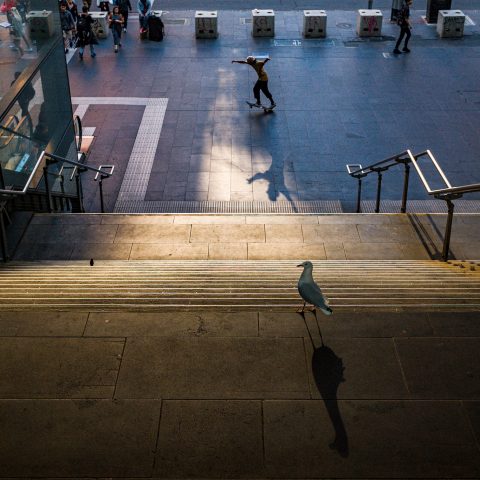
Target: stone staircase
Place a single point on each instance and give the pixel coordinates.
(269, 284)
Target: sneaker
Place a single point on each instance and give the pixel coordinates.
(273, 104)
(116, 49)
(81, 56)
(396, 51)
(406, 49)
(93, 55)
(124, 30)
(257, 104)
(66, 50)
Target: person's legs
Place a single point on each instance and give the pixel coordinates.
(92, 50)
(116, 39)
(125, 19)
(80, 52)
(266, 91)
(407, 38)
(256, 91)
(399, 41)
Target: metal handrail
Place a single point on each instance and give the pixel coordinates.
(81, 166)
(447, 194)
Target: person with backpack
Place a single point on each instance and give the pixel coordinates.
(144, 8)
(403, 21)
(68, 26)
(85, 33)
(115, 20)
(124, 6)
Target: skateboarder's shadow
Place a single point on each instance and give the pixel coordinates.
(328, 370)
(275, 177)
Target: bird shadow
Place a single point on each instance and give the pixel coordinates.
(328, 369)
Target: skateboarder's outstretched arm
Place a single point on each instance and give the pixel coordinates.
(239, 61)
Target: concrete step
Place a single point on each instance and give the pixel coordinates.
(150, 285)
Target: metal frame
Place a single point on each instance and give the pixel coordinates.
(446, 194)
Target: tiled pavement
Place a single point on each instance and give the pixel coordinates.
(340, 100)
(242, 237)
(239, 395)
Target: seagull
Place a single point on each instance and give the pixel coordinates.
(310, 291)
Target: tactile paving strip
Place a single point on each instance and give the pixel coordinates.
(422, 206)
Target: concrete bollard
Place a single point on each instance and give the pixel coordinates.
(206, 25)
(314, 23)
(450, 23)
(40, 24)
(263, 23)
(369, 23)
(100, 24)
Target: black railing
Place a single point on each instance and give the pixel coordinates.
(448, 193)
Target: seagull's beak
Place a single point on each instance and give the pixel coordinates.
(301, 265)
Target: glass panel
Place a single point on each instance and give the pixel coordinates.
(28, 29)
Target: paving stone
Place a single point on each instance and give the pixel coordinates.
(346, 324)
(441, 367)
(172, 251)
(283, 233)
(59, 368)
(354, 219)
(42, 324)
(210, 439)
(119, 219)
(43, 251)
(101, 251)
(374, 251)
(210, 219)
(227, 251)
(64, 233)
(166, 324)
(213, 368)
(152, 234)
(286, 251)
(282, 219)
(455, 324)
(227, 233)
(78, 438)
(376, 233)
(380, 439)
(369, 367)
(62, 219)
(326, 233)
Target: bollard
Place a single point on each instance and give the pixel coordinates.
(450, 23)
(206, 25)
(369, 23)
(263, 23)
(314, 23)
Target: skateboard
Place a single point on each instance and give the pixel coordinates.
(265, 108)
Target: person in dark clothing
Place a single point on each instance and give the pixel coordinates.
(124, 6)
(68, 26)
(85, 33)
(403, 20)
(27, 95)
(262, 82)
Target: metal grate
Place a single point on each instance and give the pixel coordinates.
(320, 206)
(422, 206)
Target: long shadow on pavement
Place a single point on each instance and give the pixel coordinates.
(328, 370)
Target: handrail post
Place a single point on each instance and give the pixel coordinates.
(359, 195)
(406, 176)
(78, 183)
(448, 229)
(100, 186)
(2, 180)
(47, 189)
(379, 191)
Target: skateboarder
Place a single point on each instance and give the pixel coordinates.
(403, 20)
(262, 82)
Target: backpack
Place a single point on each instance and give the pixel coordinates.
(83, 24)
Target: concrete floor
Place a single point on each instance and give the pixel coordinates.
(239, 395)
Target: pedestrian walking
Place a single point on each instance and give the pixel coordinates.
(144, 8)
(85, 33)
(125, 6)
(115, 20)
(68, 26)
(262, 83)
(72, 8)
(403, 20)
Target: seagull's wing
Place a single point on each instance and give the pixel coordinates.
(311, 292)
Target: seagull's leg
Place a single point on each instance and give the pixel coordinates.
(302, 309)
